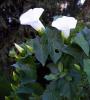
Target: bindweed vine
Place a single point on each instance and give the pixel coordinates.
(67, 64)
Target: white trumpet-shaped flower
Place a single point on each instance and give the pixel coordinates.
(31, 17)
(64, 24)
(81, 2)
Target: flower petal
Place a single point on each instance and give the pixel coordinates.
(31, 15)
(66, 33)
(37, 12)
(26, 17)
(37, 25)
(81, 2)
(64, 23)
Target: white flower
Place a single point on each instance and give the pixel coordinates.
(31, 17)
(81, 2)
(64, 24)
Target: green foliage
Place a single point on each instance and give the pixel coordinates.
(61, 89)
(66, 62)
(55, 44)
(41, 50)
(87, 68)
(80, 40)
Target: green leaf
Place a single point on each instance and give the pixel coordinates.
(25, 90)
(57, 90)
(86, 34)
(87, 68)
(35, 97)
(40, 48)
(74, 52)
(51, 93)
(53, 68)
(38, 89)
(51, 77)
(25, 70)
(62, 89)
(80, 40)
(55, 44)
(31, 88)
(26, 80)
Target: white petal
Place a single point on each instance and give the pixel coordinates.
(26, 17)
(37, 25)
(37, 12)
(81, 2)
(31, 15)
(64, 23)
(66, 33)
